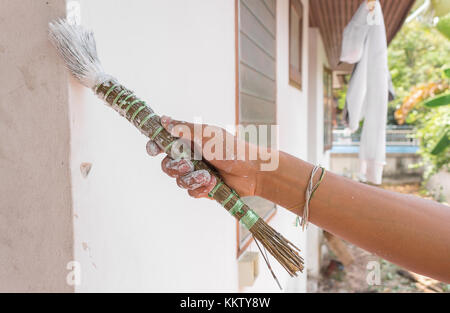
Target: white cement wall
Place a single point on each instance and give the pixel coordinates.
(317, 60)
(135, 230)
(292, 108)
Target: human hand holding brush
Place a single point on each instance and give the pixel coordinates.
(77, 47)
(409, 231)
(236, 169)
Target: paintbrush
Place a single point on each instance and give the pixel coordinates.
(77, 47)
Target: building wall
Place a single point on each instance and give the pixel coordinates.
(317, 61)
(292, 108)
(135, 230)
(134, 239)
(36, 233)
(127, 224)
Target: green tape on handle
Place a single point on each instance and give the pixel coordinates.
(237, 207)
(133, 103)
(137, 112)
(156, 133)
(118, 96)
(124, 101)
(249, 219)
(110, 90)
(146, 119)
(228, 199)
(212, 192)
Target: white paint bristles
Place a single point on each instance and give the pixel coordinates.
(77, 47)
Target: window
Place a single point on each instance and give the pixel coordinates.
(295, 43)
(327, 109)
(256, 86)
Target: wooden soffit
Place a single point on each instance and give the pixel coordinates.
(331, 17)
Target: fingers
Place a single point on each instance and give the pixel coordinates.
(194, 180)
(176, 168)
(198, 183)
(153, 149)
(203, 192)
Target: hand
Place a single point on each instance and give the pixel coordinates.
(237, 173)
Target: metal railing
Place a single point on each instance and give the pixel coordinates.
(395, 136)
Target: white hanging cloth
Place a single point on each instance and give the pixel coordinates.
(364, 43)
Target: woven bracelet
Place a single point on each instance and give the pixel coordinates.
(310, 190)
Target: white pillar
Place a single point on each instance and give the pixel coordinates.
(315, 139)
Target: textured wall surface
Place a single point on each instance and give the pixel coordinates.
(36, 233)
(135, 230)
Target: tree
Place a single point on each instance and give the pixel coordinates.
(419, 54)
(419, 59)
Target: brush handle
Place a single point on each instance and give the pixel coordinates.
(77, 47)
(142, 116)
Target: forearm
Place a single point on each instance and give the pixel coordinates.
(406, 230)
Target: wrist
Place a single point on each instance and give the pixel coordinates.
(286, 184)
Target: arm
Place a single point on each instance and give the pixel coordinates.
(407, 230)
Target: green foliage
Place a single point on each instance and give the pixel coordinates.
(442, 143)
(444, 25)
(429, 124)
(341, 94)
(441, 7)
(417, 55)
(437, 101)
